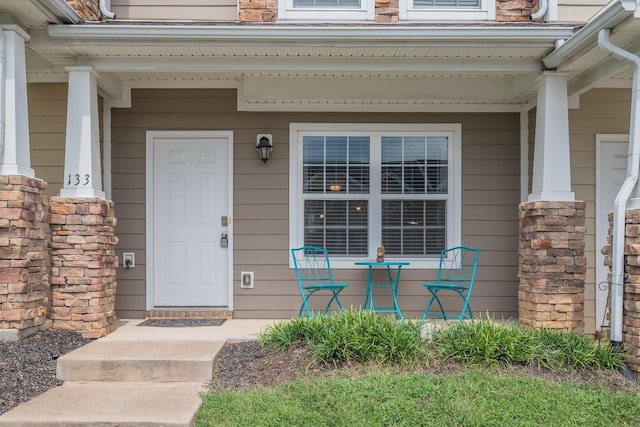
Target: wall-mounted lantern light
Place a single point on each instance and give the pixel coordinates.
(264, 146)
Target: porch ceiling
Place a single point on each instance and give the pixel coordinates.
(312, 68)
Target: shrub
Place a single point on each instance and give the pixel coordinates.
(355, 335)
(485, 341)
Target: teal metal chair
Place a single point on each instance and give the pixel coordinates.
(313, 272)
(456, 273)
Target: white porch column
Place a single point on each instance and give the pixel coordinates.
(82, 174)
(15, 158)
(551, 162)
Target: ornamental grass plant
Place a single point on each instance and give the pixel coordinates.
(479, 393)
(488, 342)
(352, 336)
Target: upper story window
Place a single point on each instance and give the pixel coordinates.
(447, 10)
(465, 4)
(355, 187)
(326, 3)
(326, 10)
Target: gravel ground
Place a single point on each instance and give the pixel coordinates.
(245, 365)
(28, 367)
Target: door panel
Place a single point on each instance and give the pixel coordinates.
(612, 173)
(190, 195)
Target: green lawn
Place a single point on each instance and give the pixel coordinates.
(475, 398)
(480, 395)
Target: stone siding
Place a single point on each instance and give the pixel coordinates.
(83, 265)
(387, 10)
(24, 280)
(552, 268)
(258, 10)
(515, 10)
(88, 10)
(631, 310)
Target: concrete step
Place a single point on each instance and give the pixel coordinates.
(110, 404)
(154, 360)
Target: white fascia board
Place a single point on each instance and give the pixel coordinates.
(338, 36)
(382, 107)
(587, 37)
(289, 64)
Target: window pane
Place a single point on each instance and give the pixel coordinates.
(414, 165)
(446, 4)
(338, 225)
(413, 227)
(335, 164)
(336, 148)
(327, 3)
(437, 165)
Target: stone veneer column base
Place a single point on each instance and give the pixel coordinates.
(83, 265)
(24, 277)
(552, 265)
(631, 311)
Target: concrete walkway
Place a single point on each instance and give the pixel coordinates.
(135, 376)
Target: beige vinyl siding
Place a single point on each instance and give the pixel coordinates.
(579, 10)
(490, 197)
(601, 111)
(196, 10)
(47, 130)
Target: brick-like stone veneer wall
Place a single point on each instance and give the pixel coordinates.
(83, 265)
(258, 10)
(24, 278)
(515, 10)
(88, 10)
(631, 311)
(552, 265)
(387, 10)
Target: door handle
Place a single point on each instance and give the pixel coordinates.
(224, 240)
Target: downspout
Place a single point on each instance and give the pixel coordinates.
(105, 6)
(3, 60)
(620, 204)
(542, 10)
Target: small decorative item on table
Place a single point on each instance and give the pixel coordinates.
(380, 255)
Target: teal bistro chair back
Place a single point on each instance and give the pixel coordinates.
(456, 275)
(313, 272)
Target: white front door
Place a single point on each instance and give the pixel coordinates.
(611, 173)
(191, 230)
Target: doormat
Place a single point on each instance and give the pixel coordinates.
(182, 323)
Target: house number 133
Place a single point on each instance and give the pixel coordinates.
(78, 179)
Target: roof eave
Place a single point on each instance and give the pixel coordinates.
(58, 10)
(468, 35)
(586, 38)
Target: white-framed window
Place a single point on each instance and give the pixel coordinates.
(326, 10)
(354, 187)
(447, 10)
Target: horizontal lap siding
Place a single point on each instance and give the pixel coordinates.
(601, 111)
(198, 10)
(579, 10)
(47, 130)
(490, 154)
